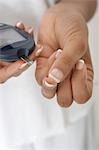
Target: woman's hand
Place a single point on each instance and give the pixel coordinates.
(8, 70)
(63, 72)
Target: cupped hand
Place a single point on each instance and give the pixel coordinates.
(67, 73)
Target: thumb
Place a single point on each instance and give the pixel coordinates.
(65, 62)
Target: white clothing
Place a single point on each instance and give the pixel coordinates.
(66, 140)
(25, 115)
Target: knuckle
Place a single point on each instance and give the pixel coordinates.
(80, 46)
(67, 61)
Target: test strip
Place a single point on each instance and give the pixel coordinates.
(27, 60)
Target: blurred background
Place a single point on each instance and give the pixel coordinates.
(93, 39)
(94, 45)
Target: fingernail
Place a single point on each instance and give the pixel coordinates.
(23, 66)
(38, 52)
(49, 85)
(56, 75)
(80, 64)
(19, 24)
(59, 51)
(30, 31)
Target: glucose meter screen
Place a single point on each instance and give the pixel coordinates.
(9, 36)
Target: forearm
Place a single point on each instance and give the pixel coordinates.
(85, 7)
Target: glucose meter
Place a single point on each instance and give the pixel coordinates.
(15, 44)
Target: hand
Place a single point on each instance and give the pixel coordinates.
(66, 75)
(8, 70)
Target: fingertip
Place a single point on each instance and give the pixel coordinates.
(82, 99)
(30, 31)
(20, 25)
(48, 88)
(81, 91)
(63, 103)
(23, 66)
(47, 94)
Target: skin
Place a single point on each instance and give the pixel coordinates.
(62, 27)
(65, 26)
(8, 70)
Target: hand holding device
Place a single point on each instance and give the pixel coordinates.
(15, 44)
(16, 50)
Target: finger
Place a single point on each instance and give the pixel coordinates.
(88, 73)
(49, 43)
(36, 53)
(65, 63)
(42, 65)
(3, 64)
(25, 27)
(20, 25)
(80, 87)
(64, 93)
(29, 30)
(21, 69)
(49, 86)
(9, 71)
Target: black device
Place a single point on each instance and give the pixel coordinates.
(15, 44)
